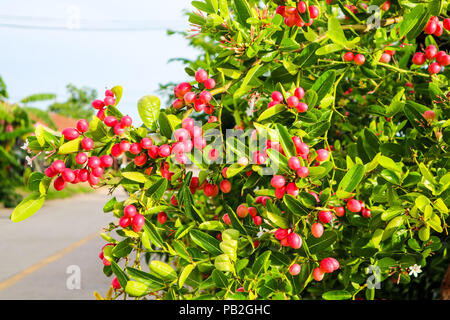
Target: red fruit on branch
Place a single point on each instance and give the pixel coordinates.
(68, 175)
(313, 12)
(81, 158)
(70, 133)
(431, 52)
(434, 68)
(58, 166)
(98, 104)
(59, 183)
(294, 163)
(162, 217)
(295, 269)
(257, 220)
(201, 76)
(354, 205)
(281, 234)
(82, 125)
(418, 58)
(294, 240)
(349, 56)
(322, 154)
(292, 189)
(129, 211)
(278, 181)
(209, 83)
(87, 143)
(109, 101)
(318, 274)
(110, 121)
(242, 210)
(225, 186)
(303, 172)
(359, 59)
(115, 283)
(94, 162)
(325, 216)
(137, 223)
(277, 96)
(340, 211)
(135, 148)
(317, 230)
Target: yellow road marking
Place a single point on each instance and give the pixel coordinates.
(14, 279)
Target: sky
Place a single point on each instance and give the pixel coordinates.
(99, 44)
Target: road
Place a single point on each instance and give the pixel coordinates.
(41, 257)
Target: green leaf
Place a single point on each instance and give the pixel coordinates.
(39, 132)
(185, 274)
(337, 295)
(295, 206)
(27, 207)
(388, 163)
(260, 262)
(212, 226)
(165, 125)
(34, 180)
(286, 141)
(148, 107)
(329, 48)
(162, 270)
(324, 83)
(317, 245)
(219, 278)
(136, 289)
(278, 220)
(289, 44)
(154, 236)
(271, 112)
(242, 11)
(335, 32)
(135, 176)
(205, 241)
(122, 249)
(118, 91)
(352, 178)
(120, 274)
(70, 146)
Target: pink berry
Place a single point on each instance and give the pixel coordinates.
(295, 269)
(94, 162)
(164, 150)
(294, 163)
(110, 121)
(59, 183)
(294, 240)
(277, 96)
(82, 125)
(313, 12)
(106, 161)
(68, 175)
(109, 101)
(181, 89)
(138, 222)
(303, 172)
(210, 83)
(146, 143)
(302, 107)
(327, 265)
(317, 230)
(98, 104)
(201, 76)
(70, 133)
(318, 274)
(354, 205)
(359, 59)
(126, 121)
(242, 210)
(135, 148)
(278, 181)
(322, 154)
(349, 56)
(292, 101)
(81, 158)
(87, 143)
(292, 189)
(225, 186)
(434, 68)
(281, 234)
(325, 216)
(418, 58)
(58, 166)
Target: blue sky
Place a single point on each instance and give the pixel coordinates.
(46, 59)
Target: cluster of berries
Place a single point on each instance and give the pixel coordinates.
(133, 218)
(292, 17)
(359, 59)
(432, 53)
(436, 27)
(185, 97)
(292, 101)
(386, 56)
(101, 105)
(327, 265)
(243, 211)
(288, 238)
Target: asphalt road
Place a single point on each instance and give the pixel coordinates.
(51, 254)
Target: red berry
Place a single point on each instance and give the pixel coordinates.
(446, 24)
(257, 220)
(366, 213)
(242, 210)
(101, 114)
(301, 7)
(292, 101)
(354, 205)
(181, 134)
(252, 211)
(209, 83)
(82, 125)
(340, 211)
(281, 234)
(277, 96)
(110, 121)
(226, 219)
(225, 186)
(434, 68)
(431, 52)
(94, 162)
(349, 56)
(81, 158)
(278, 181)
(418, 58)
(313, 12)
(439, 30)
(68, 175)
(294, 240)
(359, 59)
(322, 155)
(162, 217)
(302, 107)
(109, 101)
(292, 189)
(303, 172)
(327, 265)
(129, 211)
(137, 222)
(164, 150)
(386, 6)
(106, 161)
(58, 166)
(83, 175)
(59, 183)
(294, 163)
(124, 146)
(119, 129)
(124, 222)
(318, 274)
(295, 269)
(126, 121)
(153, 152)
(70, 133)
(135, 148)
(385, 58)
(279, 192)
(201, 76)
(140, 160)
(87, 143)
(109, 93)
(115, 283)
(50, 173)
(181, 89)
(431, 27)
(146, 143)
(205, 97)
(97, 172)
(98, 104)
(325, 216)
(317, 230)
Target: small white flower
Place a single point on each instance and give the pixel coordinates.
(25, 145)
(29, 161)
(415, 270)
(261, 232)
